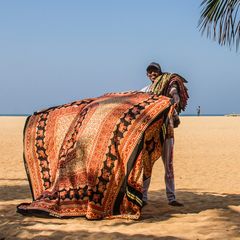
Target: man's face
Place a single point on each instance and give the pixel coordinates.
(153, 73)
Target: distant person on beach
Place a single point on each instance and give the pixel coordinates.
(170, 85)
(198, 110)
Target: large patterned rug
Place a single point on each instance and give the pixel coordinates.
(89, 158)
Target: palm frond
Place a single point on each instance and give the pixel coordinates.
(221, 21)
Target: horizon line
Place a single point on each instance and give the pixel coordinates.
(183, 114)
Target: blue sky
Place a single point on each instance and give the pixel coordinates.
(54, 52)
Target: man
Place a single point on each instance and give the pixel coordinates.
(170, 85)
(198, 110)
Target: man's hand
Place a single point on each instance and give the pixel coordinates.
(176, 119)
(176, 122)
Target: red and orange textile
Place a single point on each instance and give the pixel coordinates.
(89, 158)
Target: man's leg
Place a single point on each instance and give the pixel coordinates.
(146, 184)
(167, 157)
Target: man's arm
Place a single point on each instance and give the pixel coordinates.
(174, 94)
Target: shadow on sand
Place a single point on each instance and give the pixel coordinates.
(14, 224)
(194, 202)
(8, 193)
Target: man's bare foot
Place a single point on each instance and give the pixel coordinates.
(176, 204)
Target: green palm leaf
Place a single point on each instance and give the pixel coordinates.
(220, 20)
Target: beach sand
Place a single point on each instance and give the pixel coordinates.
(206, 163)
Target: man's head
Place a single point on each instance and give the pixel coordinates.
(153, 71)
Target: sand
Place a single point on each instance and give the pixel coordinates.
(206, 162)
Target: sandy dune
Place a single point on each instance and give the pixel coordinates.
(207, 165)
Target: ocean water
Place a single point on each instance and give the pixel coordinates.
(14, 115)
(204, 115)
(181, 115)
